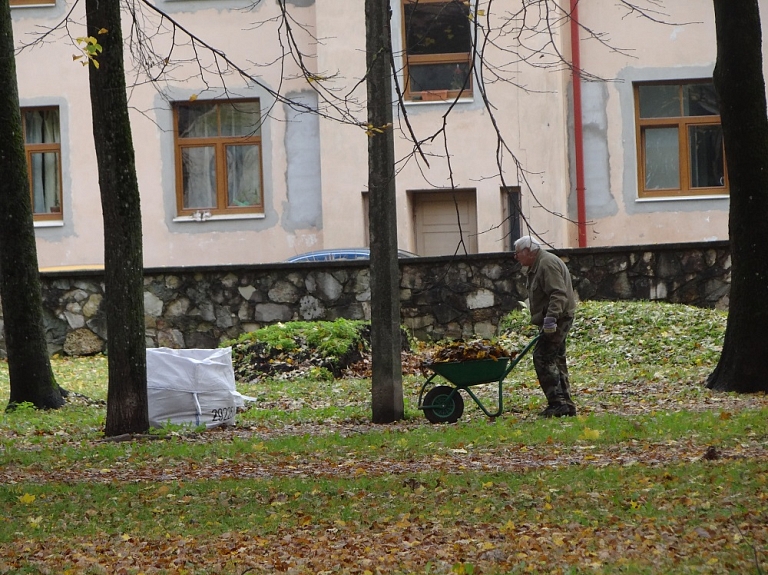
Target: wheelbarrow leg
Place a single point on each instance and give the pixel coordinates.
(423, 387)
(480, 403)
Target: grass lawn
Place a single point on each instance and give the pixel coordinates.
(656, 475)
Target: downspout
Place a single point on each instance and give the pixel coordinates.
(578, 128)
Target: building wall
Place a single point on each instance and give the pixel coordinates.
(684, 48)
(315, 168)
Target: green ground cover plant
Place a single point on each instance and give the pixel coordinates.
(656, 475)
(321, 349)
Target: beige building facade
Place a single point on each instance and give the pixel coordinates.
(257, 151)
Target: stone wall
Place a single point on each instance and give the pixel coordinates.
(445, 297)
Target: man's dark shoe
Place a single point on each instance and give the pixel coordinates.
(548, 410)
(558, 410)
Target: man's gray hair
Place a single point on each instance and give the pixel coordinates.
(527, 243)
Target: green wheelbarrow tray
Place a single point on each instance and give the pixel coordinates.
(444, 403)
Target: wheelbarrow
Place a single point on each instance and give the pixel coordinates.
(444, 403)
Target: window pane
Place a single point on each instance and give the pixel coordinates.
(198, 121)
(707, 170)
(700, 100)
(243, 176)
(198, 168)
(240, 119)
(662, 101)
(438, 76)
(662, 159)
(46, 187)
(41, 126)
(437, 28)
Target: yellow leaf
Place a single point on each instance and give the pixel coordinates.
(588, 433)
(487, 485)
(96, 63)
(125, 537)
(35, 521)
(76, 56)
(102, 31)
(548, 506)
(193, 97)
(27, 498)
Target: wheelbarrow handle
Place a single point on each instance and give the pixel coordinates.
(520, 355)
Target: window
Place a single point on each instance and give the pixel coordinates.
(33, 2)
(42, 144)
(438, 49)
(680, 142)
(512, 211)
(218, 157)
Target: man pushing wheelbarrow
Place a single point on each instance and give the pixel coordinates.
(552, 305)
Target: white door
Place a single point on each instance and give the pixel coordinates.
(442, 220)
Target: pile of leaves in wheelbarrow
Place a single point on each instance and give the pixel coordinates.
(461, 350)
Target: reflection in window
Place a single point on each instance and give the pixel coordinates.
(243, 176)
(662, 165)
(199, 177)
(218, 147)
(707, 165)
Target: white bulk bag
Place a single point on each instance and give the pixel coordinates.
(191, 386)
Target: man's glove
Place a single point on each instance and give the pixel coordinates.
(550, 325)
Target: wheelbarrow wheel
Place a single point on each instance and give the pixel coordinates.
(445, 408)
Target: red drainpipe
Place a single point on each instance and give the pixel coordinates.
(578, 129)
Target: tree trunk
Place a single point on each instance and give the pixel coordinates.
(387, 374)
(738, 77)
(127, 394)
(29, 366)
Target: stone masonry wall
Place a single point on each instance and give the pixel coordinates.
(444, 297)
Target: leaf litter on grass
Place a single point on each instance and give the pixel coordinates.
(635, 367)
